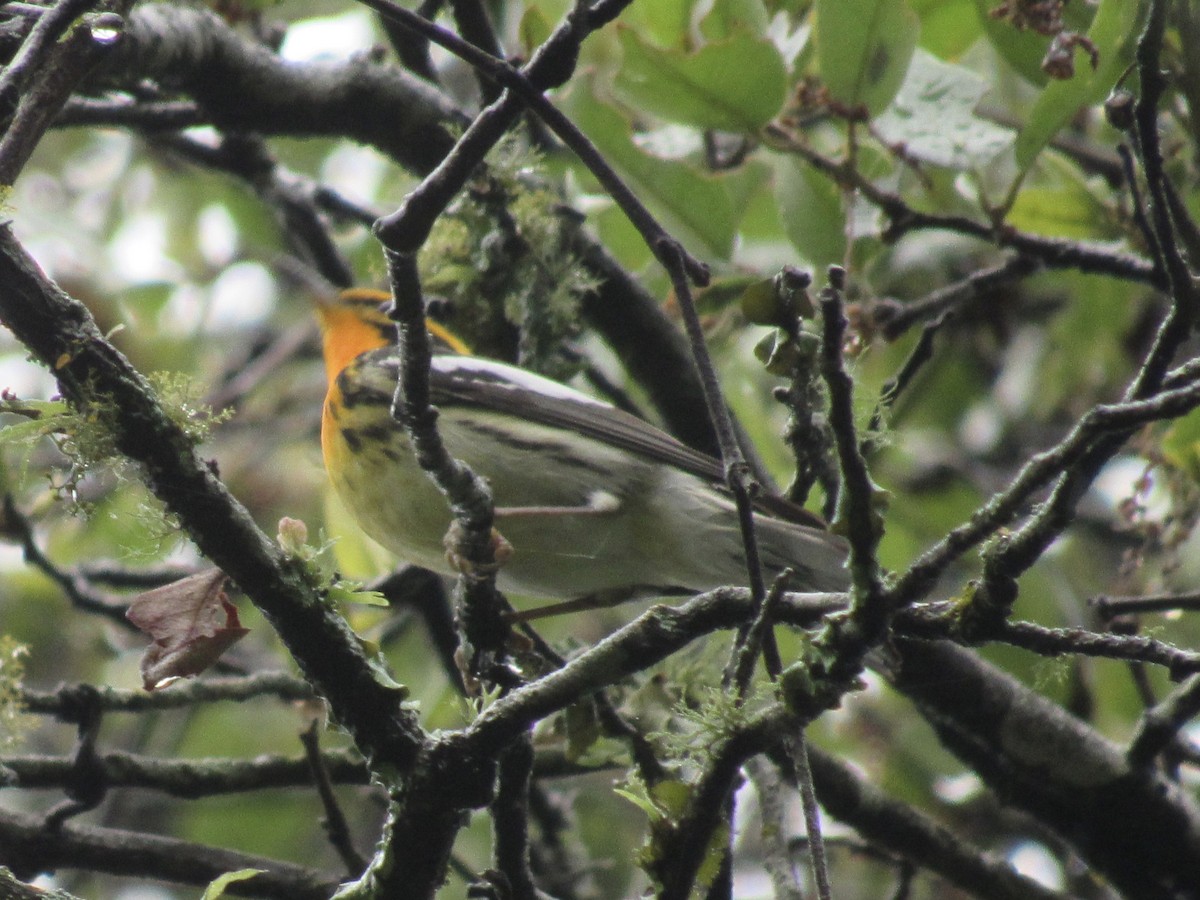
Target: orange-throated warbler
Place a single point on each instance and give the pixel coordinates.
(593, 500)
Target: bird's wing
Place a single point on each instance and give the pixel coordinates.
(471, 381)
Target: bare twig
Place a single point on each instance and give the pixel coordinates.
(334, 822)
(901, 829)
(896, 318)
(1110, 607)
(772, 809)
(469, 496)
(1053, 253)
(144, 115)
(1012, 556)
(870, 609)
(73, 583)
(812, 817)
(1160, 725)
(1003, 506)
(63, 701)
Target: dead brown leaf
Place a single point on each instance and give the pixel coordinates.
(192, 623)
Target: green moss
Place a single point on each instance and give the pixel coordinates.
(14, 721)
(501, 257)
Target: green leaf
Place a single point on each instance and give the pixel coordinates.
(535, 27)
(736, 84)
(1112, 33)
(665, 23)
(696, 208)
(340, 593)
(1067, 211)
(583, 729)
(864, 47)
(810, 206)
(1181, 444)
(727, 17)
(933, 116)
(948, 27)
(216, 887)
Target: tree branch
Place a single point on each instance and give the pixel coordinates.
(28, 848)
(1046, 762)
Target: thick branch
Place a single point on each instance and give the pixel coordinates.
(901, 829)
(188, 778)
(28, 847)
(1131, 824)
(243, 86)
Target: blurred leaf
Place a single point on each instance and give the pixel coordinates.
(216, 887)
(761, 304)
(665, 23)
(1181, 444)
(948, 27)
(695, 207)
(736, 84)
(1112, 35)
(1064, 211)
(811, 208)
(728, 17)
(1080, 358)
(583, 729)
(146, 301)
(933, 116)
(535, 27)
(864, 47)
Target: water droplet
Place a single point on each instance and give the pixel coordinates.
(106, 28)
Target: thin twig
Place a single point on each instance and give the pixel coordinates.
(73, 583)
(334, 823)
(469, 496)
(812, 818)
(896, 318)
(30, 59)
(870, 608)
(29, 846)
(1052, 642)
(123, 112)
(190, 778)
(63, 701)
(475, 25)
(1161, 724)
(510, 819)
(1002, 507)
(1009, 558)
(1054, 253)
(1111, 607)
(921, 353)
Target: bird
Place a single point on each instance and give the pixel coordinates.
(595, 502)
